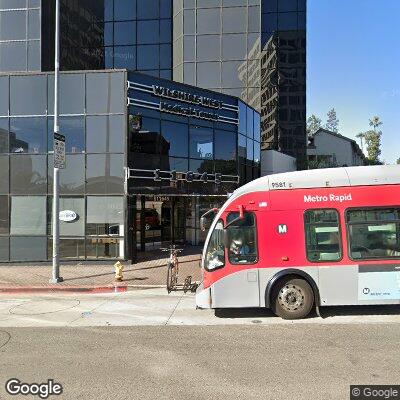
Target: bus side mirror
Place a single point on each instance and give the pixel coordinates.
(205, 223)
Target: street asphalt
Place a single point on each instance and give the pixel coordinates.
(146, 344)
(298, 361)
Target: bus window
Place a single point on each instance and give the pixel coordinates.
(323, 241)
(374, 233)
(215, 254)
(242, 239)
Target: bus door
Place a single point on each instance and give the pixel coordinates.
(239, 286)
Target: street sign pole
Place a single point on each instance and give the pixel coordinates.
(56, 195)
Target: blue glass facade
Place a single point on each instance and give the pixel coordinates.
(102, 34)
(185, 149)
(187, 129)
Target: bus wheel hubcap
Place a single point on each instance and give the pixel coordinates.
(291, 297)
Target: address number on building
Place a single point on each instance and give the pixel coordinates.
(174, 176)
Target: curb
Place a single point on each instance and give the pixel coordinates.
(63, 289)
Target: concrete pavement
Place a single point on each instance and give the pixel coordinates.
(156, 307)
(149, 271)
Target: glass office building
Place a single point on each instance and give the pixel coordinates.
(253, 49)
(144, 158)
(226, 46)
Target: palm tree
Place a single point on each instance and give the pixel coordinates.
(361, 136)
(375, 122)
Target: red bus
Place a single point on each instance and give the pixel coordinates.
(301, 239)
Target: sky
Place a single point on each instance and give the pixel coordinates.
(353, 65)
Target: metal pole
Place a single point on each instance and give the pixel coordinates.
(56, 198)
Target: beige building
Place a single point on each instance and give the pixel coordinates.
(330, 149)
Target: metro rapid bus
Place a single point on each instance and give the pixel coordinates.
(304, 239)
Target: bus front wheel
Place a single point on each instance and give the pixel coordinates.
(292, 298)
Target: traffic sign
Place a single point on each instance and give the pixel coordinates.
(59, 151)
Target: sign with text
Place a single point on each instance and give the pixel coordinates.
(59, 151)
(158, 175)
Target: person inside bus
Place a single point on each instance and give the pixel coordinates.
(239, 251)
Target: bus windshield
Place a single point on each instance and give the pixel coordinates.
(215, 254)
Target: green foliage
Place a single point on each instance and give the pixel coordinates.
(313, 124)
(332, 123)
(398, 161)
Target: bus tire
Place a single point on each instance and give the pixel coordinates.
(292, 298)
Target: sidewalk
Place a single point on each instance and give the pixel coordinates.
(150, 271)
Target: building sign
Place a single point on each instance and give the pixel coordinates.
(186, 97)
(174, 176)
(67, 216)
(189, 111)
(59, 151)
(173, 101)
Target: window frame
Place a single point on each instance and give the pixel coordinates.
(220, 220)
(256, 240)
(373, 208)
(339, 231)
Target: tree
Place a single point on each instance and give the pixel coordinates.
(398, 161)
(373, 140)
(332, 123)
(313, 124)
(361, 136)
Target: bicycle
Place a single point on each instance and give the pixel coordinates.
(172, 267)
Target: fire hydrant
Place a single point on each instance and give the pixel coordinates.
(118, 271)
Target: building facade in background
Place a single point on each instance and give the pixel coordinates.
(253, 49)
(328, 149)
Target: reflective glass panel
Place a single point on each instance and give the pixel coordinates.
(73, 128)
(125, 33)
(105, 93)
(28, 135)
(23, 89)
(234, 46)
(208, 20)
(124, 9)
(28, 248)
(208, 47)
(148, 32)
(72, 86)
(4, 252)
(148, 57)
(34, 24)
(3, 214)
(234, 20)
(201, 142)
(13, 56)
(225, 145)
(148, 9)
(4, 135)
(104, 173)
(12, 25)
(28, 174)
(105, 216)
(4, 95)
(208, 74)
(125, 57)
(176, 137)
(28, 215)
(72, 177)
(4, 171)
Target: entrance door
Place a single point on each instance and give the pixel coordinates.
(160, 220)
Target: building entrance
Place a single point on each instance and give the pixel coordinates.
(160, 220)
